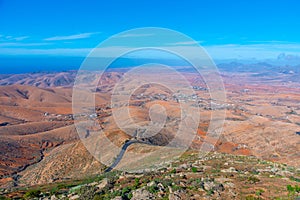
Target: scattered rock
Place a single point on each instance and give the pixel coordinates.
(104, 183)
(178, 195)
(284, 173)
(161, 187)
(229, 184)
(74, 197)
(274, 170)
(152, 183)
(229, 170)
(170, 189)
(219, 187)
(183, 166)
(208, 185)
(142, 194)
(223, 180)
(53, 197)
(92, 184)
(118, 198)
(182, 175)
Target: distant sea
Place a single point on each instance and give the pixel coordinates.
(28, 64)
(17, 65)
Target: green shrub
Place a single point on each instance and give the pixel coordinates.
(194, 169)
(54, 190)
(32, 194)
(129, 195)
(136, 183)
(126, 192)
(210, 192)
(3, 198)
(292, 189)
(152, 189)
(175, 187)
(97, 197)
(295, 179)
(259, 192)
(297, 188)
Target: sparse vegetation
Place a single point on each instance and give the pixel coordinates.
(153, 189)
(295, 179)
(194, 169)
(180, 180)
(126, 193)
(259, 192)
(4, 198)
(293, 189)
(32, 194)
(173, 171)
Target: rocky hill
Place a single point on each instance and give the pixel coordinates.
(216, 176)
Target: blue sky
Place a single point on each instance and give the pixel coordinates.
(227, 29)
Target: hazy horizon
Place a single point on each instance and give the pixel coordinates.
(59, 35)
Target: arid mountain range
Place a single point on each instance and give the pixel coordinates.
(39, 143)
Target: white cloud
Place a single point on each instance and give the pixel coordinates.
(71, 37)
(269, 42)
(18, 44)
(21, 38)
(229, 51)
(258, 51)
(8, 37)
(184, 43)
(135, 35)
(55, 52)
(12, 38)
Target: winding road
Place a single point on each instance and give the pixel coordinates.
(122, 152)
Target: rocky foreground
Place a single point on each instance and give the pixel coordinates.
(216, 176)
